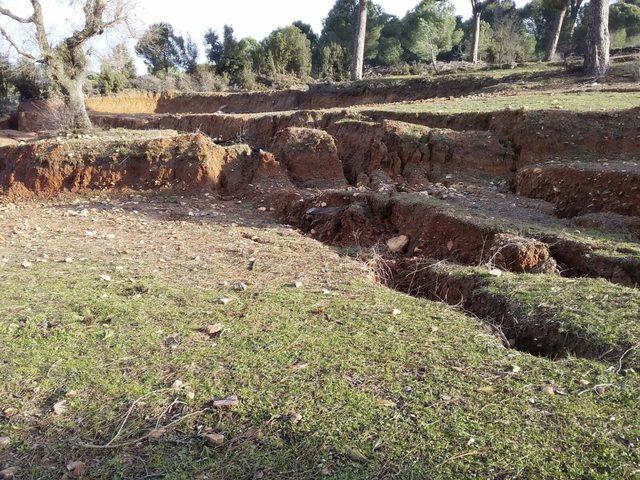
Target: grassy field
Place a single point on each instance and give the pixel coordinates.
(102, 343)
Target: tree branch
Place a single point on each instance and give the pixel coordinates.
(7, 13)
(41, 34)
(14, 45)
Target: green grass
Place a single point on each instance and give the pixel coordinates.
(423, 394)
(593, 316)
(575, 101)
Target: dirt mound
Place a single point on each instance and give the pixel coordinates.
(153, 161)
(584, 187)
(310, 157)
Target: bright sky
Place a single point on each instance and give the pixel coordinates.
(254, 18)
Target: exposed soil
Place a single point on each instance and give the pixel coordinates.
(578, 188)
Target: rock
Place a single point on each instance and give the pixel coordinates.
(26, 264)
(4, 442)
(397, 244)
(213, 439)
(224, 300)
(59, 408)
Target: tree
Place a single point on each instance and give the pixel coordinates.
(213, 46)
(341, 24)
(624, 23)
(596, 57)
(308, 32)
(477, 7)
(559, 9)
(430, 28)
(237, 58)
(66, 63)
(189, 55)
(334, 62)
(285, 51)
(357, 62)
(161, 49)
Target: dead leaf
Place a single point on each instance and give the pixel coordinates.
(386, 403)
(213, 439)
(548, 390)
(156, 434)
(76, 469)
(295, 418)
(10, 412)
(487, 389)
(8, 473)
(105, 278)
(213, 330)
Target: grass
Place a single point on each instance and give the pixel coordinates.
(423, 394)
(569, 101)
(575, 313)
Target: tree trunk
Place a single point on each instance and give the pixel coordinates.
(555, 35)
(357, 65)
(475, 41)
(76, 106)
(596, 57)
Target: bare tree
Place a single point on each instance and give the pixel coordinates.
(66, 63)
(560, 8)
(596, 57)
(357, 65)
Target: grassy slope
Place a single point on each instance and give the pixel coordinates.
(461, 409)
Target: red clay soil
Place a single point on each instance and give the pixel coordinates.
(184, 162)
(538, 135)
(313, 98)
(415, 154)
(350, 218)
(584, 187)
(310, 156)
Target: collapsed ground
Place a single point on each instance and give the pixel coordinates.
(510, 215)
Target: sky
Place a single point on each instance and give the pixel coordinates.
(253, 18)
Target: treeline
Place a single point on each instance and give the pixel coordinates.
(430, 34)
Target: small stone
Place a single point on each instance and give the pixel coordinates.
(213, 439)
(105, 278)
(295, 418)
(298, 284)
(26, 264)
(240, 287)
(226, 402)
(224, 300)
(4, 442)
(177, 385)
(397, 244)
(495, 272)
(59, 408)
(396, 311)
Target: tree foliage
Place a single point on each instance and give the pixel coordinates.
(286, 51)
(162, 50)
